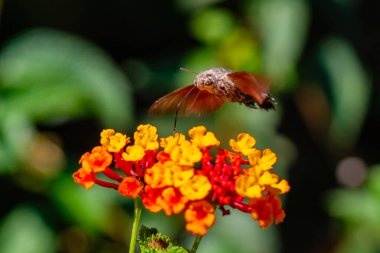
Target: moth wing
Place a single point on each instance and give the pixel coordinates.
(203, 102)
(255, 86)
(190, 100)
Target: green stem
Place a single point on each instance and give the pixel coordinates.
(136, 221)
(196, 243)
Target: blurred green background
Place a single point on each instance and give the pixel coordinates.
(69, 68)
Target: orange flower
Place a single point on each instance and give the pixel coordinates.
(267, 209)
(83, 178)
(130, 187)
(96, 161)
(150, 197)
(199, 217)
(172, 201)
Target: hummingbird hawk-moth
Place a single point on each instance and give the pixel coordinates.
(213, 87)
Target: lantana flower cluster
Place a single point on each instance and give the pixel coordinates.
(191, 176)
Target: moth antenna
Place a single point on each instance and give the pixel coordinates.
(188, 70)
(179, 105)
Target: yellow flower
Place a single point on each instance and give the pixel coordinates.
(264, 160)
(196, 188)
(181, 174)
(167, 174)
(146, 136)
(258, 178)
(133, 153)
(282, 187)
(114, 142)
(244, 144)
(268, 178)
(169, 143)
(202, 139)
(186, 154)
(257, 181)
(159, 175)
(181, 150)
(247, 186)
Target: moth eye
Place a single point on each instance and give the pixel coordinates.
(208, 80)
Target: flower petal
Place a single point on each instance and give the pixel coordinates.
(199, 217)
(114, 142)
(203, 138)
(244, 144)
(133, 153)
(196, 188)
(146, 136)
(247, 186)
(130, 187)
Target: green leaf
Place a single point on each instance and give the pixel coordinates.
(283, 27)
(360, 240)
(150, 241)
(373, 179)
(16, 133)
(24, 231)
(89, 208)
(350, 90)
(47, 74)
(146, 232)
(355, 207)
(240, 51)
(212, 25)
(51, 76)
